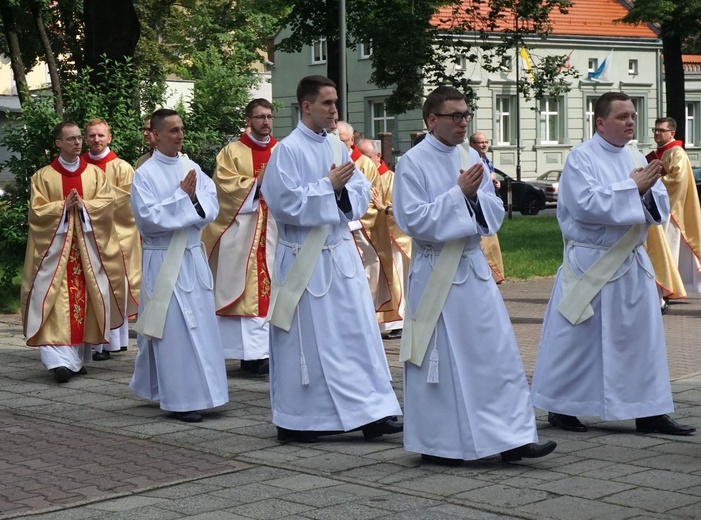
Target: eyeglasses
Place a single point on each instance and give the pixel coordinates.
(661, 130)
(263, 118)
(145, 129)
(480, 142)
(457, 117)
(73, 139)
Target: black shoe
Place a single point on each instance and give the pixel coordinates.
(662, 424)
(528, 451)
(192, 416)
(285, 435)
(395, 334)
(376, 429)
(101, 356)
(441, 461)
(566, 422)
(62, 374)
(665, 307)
(264, 367)
(123, 349)
(80, 372)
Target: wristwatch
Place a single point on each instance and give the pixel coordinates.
(387, 208)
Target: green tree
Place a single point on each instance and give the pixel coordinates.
(412, 50)
(678, 23)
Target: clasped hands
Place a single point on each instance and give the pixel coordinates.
(646, 177)
(189, 184)
(469, 180)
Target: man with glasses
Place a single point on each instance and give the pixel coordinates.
(73, 289)
(490, 245)
(240, 242)
(465, 390)
(148, 141)
(683, 229)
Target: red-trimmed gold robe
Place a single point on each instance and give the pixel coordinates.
(73, 282)
(375, 228)
(120, 175)
(240, 267)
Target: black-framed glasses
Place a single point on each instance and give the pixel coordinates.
(73, 139)
(661, 130)
(263, 118)
(458, 116)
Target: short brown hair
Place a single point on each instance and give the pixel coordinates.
(439, 96)
(602, 107)
(671, 122)
(57, 132)
(309, 87)
(258, 102)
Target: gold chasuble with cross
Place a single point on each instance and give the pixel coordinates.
(73, 280)
(241, 245)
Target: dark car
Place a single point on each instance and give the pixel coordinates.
(525, 197)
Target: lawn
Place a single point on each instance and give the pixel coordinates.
(530, 246)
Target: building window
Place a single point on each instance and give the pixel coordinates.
(593, 64)
(589, 116)
(506, 64)
(692, 123)
(633, 67)
(549, 121)
(506, 120)
(365, 50)
(641, 131)
(296, 115)
(319, 51)
(380, 119)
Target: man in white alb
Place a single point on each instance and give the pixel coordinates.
(465, 390)
(328, 370)
(602, 350)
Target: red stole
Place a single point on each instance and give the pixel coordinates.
(382, 168)
(355, 153)
(75, 277)
(261, 156)
(100, 163)
(657, 154)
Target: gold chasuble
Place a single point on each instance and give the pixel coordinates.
(73, 282)
(241, 246)
(375, 228)
(399, 238)
(667, 275)
(120, 174)
(683, 197)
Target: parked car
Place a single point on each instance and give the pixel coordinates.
(525, 197)
(549, 181)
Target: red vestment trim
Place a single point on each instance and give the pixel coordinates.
(261, 156)
(382, 169)
(75, 276)
(100, 163)
(355, 153)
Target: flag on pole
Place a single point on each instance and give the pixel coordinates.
(526, 63)
(566, 65)
(602, 72)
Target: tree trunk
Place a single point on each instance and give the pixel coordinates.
(49, 56)
(674, 83)
(111, 29)
(16, 62)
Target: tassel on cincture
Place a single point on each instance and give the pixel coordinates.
(433, 367)
(305, 373)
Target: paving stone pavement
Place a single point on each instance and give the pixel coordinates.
(91, 449)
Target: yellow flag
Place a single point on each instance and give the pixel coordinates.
(526, 64)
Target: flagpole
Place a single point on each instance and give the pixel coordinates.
(518, 116)
(343, 87)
